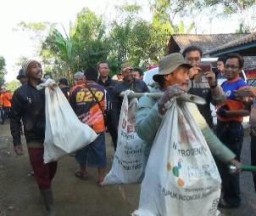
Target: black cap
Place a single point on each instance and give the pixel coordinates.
(63, 81)
(21, 74)
(91, 74)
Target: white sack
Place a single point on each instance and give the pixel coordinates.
(129, 159)
(64, 133)
(181, 177)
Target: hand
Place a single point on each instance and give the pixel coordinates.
(246, 92)
(210, 76)
(53, 86)
(170, 92)
(222, 112)
(237, 164)
(193, 72)
(18, 150)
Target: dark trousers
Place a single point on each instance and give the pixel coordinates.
(6, 113)
(2, 117)
(44, 173)
(231, 134)
(253, 155)
(112, 124)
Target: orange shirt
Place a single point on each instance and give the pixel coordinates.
(1, 100)
(7, 98)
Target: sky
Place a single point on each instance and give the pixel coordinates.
(15, 43)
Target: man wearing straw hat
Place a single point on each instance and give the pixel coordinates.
(173, 80)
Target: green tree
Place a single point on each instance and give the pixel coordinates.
(90, 39)
(84, 45)
(2, 70)
(130, 38)
(163, 26)
(13, 85)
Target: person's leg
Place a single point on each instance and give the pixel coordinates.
(53, 169)
(113, 132)
(97, 156)
(232, 185)
(43, 177)
(253, 154)
(112, 127)
(81, 158)
(3, 115)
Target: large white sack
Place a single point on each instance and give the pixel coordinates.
(181, 177)
(64, 133)
(129, 159)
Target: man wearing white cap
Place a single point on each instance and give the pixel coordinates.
(29, 105)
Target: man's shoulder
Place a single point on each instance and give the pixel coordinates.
(95, 85)
(237, 83)
(140, 82)
(120, 84)
(21, 89)
(242, 82)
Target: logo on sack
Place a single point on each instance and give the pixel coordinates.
(176, 172)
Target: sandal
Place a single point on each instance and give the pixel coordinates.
(83, 176)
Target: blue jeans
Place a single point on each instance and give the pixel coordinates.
(94, 154)
(231, 134)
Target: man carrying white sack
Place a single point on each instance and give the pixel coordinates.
(29, 106)
(173, 79)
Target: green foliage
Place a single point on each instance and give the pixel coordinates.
(33, 26)
(13, 85)
(2, 70)
(128, 39)
(89, 39)
(84, 46)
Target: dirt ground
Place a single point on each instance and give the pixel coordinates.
(19, 195)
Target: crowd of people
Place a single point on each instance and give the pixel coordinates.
(95, 98)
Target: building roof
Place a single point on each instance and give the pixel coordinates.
(206, 42)
(245, 45)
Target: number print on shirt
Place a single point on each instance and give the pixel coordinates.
(88, 97)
